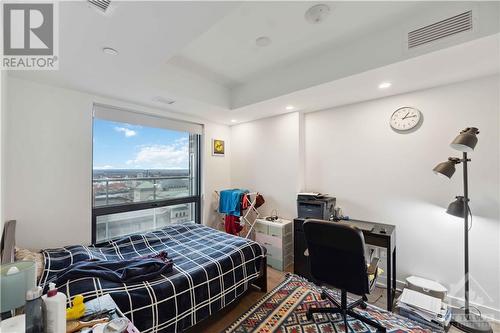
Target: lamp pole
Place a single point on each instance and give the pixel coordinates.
(464, 142)
(466, 233)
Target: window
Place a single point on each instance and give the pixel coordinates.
(146, 173)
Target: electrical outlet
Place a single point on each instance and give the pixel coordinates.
(369, 250)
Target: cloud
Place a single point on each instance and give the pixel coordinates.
(127, 131)
(173, 156)
(104, 167)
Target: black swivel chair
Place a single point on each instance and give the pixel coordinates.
(337, 257)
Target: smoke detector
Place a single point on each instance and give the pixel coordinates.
(263, 41)
(317, 13)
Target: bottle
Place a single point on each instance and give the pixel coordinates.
(55, 310)
(34, 311)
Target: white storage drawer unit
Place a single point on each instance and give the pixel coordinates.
(276, 237)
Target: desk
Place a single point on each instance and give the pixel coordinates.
(375, 237)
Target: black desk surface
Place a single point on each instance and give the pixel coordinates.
(383, 234)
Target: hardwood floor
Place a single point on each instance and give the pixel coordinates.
(223, 319)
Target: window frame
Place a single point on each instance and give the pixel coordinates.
(134, 206)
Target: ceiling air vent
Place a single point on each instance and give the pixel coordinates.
(102, 5)
(448, 27)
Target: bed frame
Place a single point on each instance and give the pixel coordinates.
(261, 281)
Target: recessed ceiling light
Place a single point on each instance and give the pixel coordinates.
(384, 85)
(317, 13)
(110, 51)
(263, 41)
(234, 120)
(290, 107)
(163, 100)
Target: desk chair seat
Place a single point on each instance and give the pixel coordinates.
(337, 258)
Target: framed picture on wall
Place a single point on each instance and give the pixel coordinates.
(218, 147)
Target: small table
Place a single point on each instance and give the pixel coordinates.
(106, 302)
(384, 236)
(13, 325)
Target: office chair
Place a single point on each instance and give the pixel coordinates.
(337, 257)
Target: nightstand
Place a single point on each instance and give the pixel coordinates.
(13, 325)
(106, 302)
(276, 237)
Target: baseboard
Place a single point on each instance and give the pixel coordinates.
(382, 283)
(487, 312)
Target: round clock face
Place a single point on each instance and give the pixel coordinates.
(405, 118)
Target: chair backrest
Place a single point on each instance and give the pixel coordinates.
(337, 255)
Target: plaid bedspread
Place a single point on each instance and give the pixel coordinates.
(211, 269)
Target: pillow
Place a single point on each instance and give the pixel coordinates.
(37, 257)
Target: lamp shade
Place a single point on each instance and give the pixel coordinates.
(446, 169)
(466, 140)
(15, 280)
(458, 207)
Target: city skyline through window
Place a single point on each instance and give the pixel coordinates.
(144, 178)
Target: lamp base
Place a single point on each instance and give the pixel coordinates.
(471, 323)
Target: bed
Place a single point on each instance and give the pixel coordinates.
(211, 270)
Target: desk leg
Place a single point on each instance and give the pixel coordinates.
(389, 279)
(394, 272)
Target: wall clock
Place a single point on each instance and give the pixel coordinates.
(405, 119)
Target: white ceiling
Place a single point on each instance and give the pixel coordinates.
(203, 54)
(228, 50)
(462, 62)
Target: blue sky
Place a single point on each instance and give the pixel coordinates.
(124, 146)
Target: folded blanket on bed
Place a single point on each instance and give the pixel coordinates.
(132, 270)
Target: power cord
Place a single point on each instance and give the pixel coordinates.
(473, 307)
(470, 214)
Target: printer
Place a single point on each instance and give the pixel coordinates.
(312, 205)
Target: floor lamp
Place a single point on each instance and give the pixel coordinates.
(464, 142)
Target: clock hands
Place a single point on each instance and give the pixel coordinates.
(408, 117)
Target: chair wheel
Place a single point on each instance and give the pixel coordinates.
(363, 306)
(323, 295)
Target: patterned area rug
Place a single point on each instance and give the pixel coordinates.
(283, 310)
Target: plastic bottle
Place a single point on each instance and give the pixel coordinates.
(33, 310)
(55, 310)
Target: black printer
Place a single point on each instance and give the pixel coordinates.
(315, 206)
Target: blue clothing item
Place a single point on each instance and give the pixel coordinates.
(230, 202)
(131, 270)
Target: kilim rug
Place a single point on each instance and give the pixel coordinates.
(283, 310)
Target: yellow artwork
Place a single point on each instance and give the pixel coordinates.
(218, 147)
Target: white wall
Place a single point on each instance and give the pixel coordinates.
(3, 107)
(216, 172)
(48, 155)
(265, 158)
(378, 175)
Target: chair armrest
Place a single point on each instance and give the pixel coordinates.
(373, 268)
(306, 253)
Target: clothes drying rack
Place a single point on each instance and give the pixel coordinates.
(245, 218)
